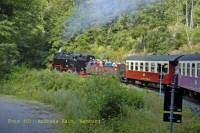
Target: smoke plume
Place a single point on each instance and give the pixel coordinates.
(89, 13)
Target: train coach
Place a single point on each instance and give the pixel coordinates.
(147, 68)
(189, 72)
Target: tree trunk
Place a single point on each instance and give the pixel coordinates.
(186, 13)
(191, 15)
(189, 41)
(177, 11)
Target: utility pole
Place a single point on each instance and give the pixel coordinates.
(172, 110)
(161, 78)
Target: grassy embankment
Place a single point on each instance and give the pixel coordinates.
(119, 109)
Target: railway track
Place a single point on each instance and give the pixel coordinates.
(193, 104)
(188, 101)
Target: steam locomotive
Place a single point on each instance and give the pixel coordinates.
(71, 62)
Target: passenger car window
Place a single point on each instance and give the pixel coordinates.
(159, 68)
(165, 68)
(136, 66)
(188, 69)
(146, 66)
(198, 70)
(141, 66)
(153, 67)
(193, 69)
(180, 68)
(131, 65)
(183, 69)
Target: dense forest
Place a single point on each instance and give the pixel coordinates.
(32, 31)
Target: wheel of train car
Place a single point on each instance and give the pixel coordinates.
(122, 79)
(144, 83)
(130, 81)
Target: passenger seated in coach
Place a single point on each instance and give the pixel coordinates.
(114, 64)
(101, 63)
(98, 62)
(92, 62)
(108, 63)
(104, 63)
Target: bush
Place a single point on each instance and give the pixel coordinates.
(8, 57)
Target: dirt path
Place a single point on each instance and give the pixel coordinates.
(18, 116)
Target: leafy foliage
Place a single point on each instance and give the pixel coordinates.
(157, 29)
(8, 57)
(33, 26)
(37, 28)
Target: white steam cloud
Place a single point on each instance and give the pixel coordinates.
(98, 12)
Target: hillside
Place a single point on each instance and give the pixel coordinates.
(33, 31)
(163, 27)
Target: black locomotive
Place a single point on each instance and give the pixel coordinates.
(71, 62)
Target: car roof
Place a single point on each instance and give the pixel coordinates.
(170, 58)
(190, 57)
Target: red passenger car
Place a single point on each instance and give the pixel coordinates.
(147, 68)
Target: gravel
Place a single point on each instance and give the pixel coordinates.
(17, 116)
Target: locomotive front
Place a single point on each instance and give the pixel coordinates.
(71, 62)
